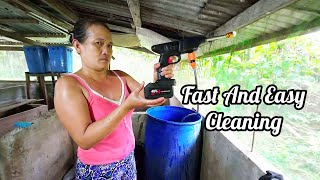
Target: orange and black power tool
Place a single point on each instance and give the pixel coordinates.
(163, 87)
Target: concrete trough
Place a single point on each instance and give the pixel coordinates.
(42, 151)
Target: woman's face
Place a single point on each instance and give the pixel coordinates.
(96, 50)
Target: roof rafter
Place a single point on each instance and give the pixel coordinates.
(19, 38)
(250, 15)
(18, 21)
(64, 10)
(10, 48)
(134, 7)
(47, 35)
(40, 14)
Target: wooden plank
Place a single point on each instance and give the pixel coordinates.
(5, 28)
(250, 15)
(44, 74)
(37, 12)
(7, 107)
(47, 35)
(134, 7)
(18, 21)
(64, 10)
(10, 48)
(28, 84)
(51, 35)
(19, 38)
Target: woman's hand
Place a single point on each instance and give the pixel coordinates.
(165, 71)
(137, 99)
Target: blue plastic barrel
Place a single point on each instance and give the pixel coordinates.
(37, 59)
(60, 58)
(172, 144)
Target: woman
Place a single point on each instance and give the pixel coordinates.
(95, 105)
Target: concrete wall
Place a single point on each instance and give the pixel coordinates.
(223, 158)
(138, 124)
(42, 151)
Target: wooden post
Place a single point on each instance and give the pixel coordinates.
(28, 85)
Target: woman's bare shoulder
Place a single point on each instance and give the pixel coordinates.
(67, 83)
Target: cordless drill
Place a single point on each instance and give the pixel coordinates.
(163, 87)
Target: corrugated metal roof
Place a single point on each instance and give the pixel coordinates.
(9, 11)
(173, 19)
(33, 28)
(282, 20)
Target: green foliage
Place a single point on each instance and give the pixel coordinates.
(290, 64)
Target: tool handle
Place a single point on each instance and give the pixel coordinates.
(165, 60)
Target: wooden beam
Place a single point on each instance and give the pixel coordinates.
(38, 13)
(20, 38)
(134, 7)
(10, 48)
(9, 43)
(121, 29)
(5, 28)
(64, 10)
(304, 28)
(22, 11)
(46, 35)
(19, 21)
(125, 40)
(51, 35)
(250, 15)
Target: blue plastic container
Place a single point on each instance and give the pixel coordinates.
(60, 58)
(172, 144)
(37, 59)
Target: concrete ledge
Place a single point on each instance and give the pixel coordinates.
(223, 159)
(42, 151)
(7, 123)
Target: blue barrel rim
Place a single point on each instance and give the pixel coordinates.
(171, 122)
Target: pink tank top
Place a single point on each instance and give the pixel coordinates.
(117, 145)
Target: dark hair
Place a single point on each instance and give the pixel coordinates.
(79, 31)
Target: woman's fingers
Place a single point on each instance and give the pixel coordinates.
(167, 71)
(155, 102)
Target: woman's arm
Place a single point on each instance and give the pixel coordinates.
(72, 109)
